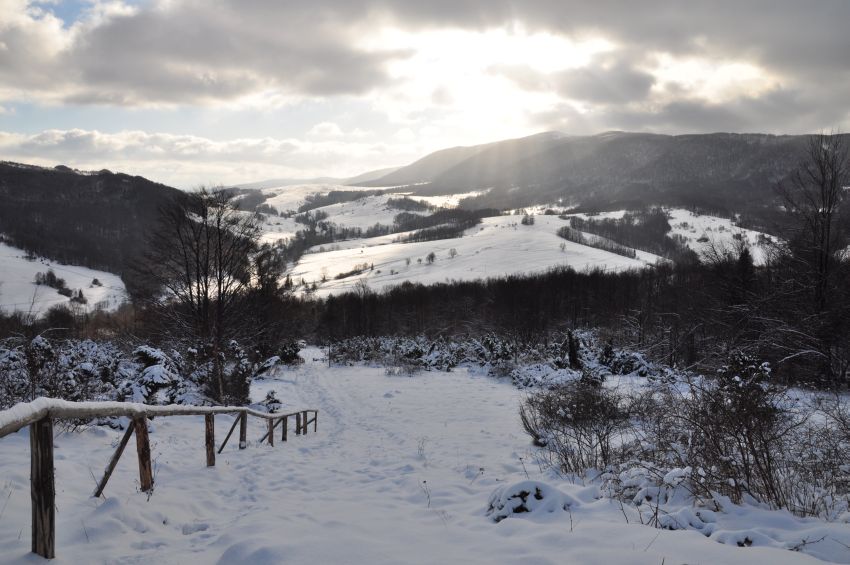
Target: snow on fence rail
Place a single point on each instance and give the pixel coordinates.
(40, 414)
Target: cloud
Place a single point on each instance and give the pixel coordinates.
(609, 82)
(779, 111)
(207, 51)
(431, 74)
(184, 52)
(618, 83)
(184, 160)
(325, 129)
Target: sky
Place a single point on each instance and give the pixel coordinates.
(206, 92)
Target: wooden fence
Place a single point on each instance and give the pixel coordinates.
(40, 414)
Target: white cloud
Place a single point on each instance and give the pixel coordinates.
(184, 160)
(325, 129)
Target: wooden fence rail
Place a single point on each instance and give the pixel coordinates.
(40, 414)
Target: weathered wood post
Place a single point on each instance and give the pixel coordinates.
(284, 425)
(115, 457)
(243, 430)
(298, 423)
(143, 450)
(209, 427)
(227, 437)
(304, 422)
(42, 488)
(271, 431)
(315, 421)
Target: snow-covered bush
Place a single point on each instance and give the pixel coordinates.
(288, 353)
(560, 358)
(733, 438)
(580, 423)
(72, 370)
(528, 499)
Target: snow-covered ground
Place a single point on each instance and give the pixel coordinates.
(275, 228)
(498, 246)
(448, 200)
(720, 232)
(18, 290)
(400, 471)
(364, 212)
(290, 197)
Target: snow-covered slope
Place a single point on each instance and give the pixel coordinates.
(285, 198)
(702, 231)
(498, 246)
(18, 290)
(400, 471)
(364, 212)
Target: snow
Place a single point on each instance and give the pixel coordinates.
(276, 228)
(497, 247)
(18, 290)
(400, 471)
(364, 212)
(446, 200)
(290, 197)
(718, 231)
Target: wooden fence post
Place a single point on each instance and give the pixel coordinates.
(42, 488)
(227, 437)
(284, 425)
(315, 421)
(298, 423)
(209, 427)
(243, 430)
(271, 432)
(304, 422)
(143, 450)
(115, 457)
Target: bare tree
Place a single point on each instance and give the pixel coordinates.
(815, 287)
(814, 196)
(200, 258)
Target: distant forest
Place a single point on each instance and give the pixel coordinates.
(99, 220)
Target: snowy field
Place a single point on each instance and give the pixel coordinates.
(285, 198)
(497, 247)
(720, 232)
(18, 290)
(400, 471)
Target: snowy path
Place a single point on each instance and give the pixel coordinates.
(356, 492)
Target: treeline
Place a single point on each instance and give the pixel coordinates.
(318, 200)
(408, 204)
(686, 314)
(646, 230)
(446, 223)
(598, 242)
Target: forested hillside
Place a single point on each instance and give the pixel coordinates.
(99, 220)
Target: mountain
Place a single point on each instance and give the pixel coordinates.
(721, 171)
(428, 168)
(275, 183)
(95, 219)
(370, 176)
(360, 179)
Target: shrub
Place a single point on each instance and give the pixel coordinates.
(578, 422)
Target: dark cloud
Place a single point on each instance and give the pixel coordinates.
(615, 84)
(778, 111)
(196, 51)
